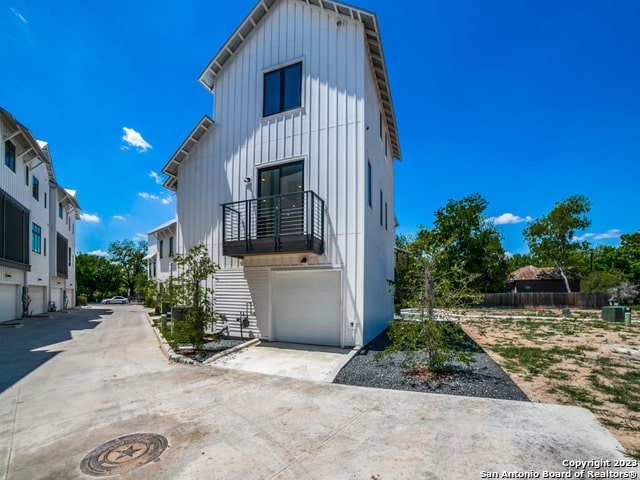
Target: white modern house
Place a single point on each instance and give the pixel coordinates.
(37, 227)
(290, 184)
(160, 250)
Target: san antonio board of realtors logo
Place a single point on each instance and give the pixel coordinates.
(123, 454)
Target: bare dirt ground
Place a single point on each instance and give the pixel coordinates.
(580, 361)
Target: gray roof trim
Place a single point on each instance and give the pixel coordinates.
(171, 168)
(374, 48)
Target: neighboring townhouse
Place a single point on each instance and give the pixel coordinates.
(291, 184)
(160, 250)
(37, 227)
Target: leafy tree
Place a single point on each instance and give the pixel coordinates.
(598, 281)
(129, 257)
(189, 289)
(96, 276)
(550, 238)
(519, 260)
(628, 256)
(468, 241)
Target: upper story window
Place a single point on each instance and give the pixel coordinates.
(60, 209)
(171, 246)
(36, 238)
(161, 248)
(10, 155)
(282, 89)
(26, 175)
(35, 188)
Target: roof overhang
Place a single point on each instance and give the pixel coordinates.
(35, 152)
(171, 168)
(70, 201)
(374, 48)
(171, 224)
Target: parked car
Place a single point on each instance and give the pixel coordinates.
(116, 299)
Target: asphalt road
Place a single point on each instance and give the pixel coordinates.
(74, 382)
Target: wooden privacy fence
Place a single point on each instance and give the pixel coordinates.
(547, 299)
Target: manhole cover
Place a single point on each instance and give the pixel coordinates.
(123, 454)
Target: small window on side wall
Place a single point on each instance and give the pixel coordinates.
(10, 155)
(282, 90)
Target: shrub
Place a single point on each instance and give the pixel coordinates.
(150, 301)
(82, 300)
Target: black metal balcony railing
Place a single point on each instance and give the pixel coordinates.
(293, 222)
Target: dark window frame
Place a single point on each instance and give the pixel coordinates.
(381, 207)
(60, 210)
(170, 246)
(35, 188)
(14, 233)
(36, 238)
(277, 88)
(10, 155)
(62, 261)
(161, 248)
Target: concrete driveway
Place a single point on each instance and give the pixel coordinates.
(302, 362)
(73, 382)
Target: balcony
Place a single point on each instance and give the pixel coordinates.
(292, 222)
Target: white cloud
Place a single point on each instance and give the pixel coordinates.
(508, 219)
(151, 196)
(156, 177)
(99, 253)
(134, 139)
(119, 217)
(89, 217)
(613, 233)
(139, 236)
(19, 15)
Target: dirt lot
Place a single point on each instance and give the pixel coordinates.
(580, 361)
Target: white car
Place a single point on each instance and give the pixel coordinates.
(116, 299)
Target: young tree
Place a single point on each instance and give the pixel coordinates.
(129, 257)
(431, 340)
(189, 289)
(550, 238)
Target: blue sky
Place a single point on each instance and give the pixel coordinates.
(525, 102)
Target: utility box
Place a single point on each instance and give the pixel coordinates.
(613, 314)
(178, 312)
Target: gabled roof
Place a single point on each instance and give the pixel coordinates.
(71, 198)
(171, 168)
(530, 273)
(373, 42)
(164, 226)
(36, 152)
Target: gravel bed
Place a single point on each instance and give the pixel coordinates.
(481, 379)
(213, 348)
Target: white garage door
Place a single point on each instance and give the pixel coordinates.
(37, 300)
(306, 307)
(8, 302)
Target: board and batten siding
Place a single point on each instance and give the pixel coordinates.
(335, 133)
(380, 236)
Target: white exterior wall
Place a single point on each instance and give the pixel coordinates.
(11, 279)
(328, 133)
(38, 277)
(380, 241)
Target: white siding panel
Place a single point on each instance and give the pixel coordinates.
(38, 301)
(232, 297)
(9, 304)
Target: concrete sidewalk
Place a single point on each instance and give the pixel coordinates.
(76, 381)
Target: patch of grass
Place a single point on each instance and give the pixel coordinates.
(623, 391)
(576, 394)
